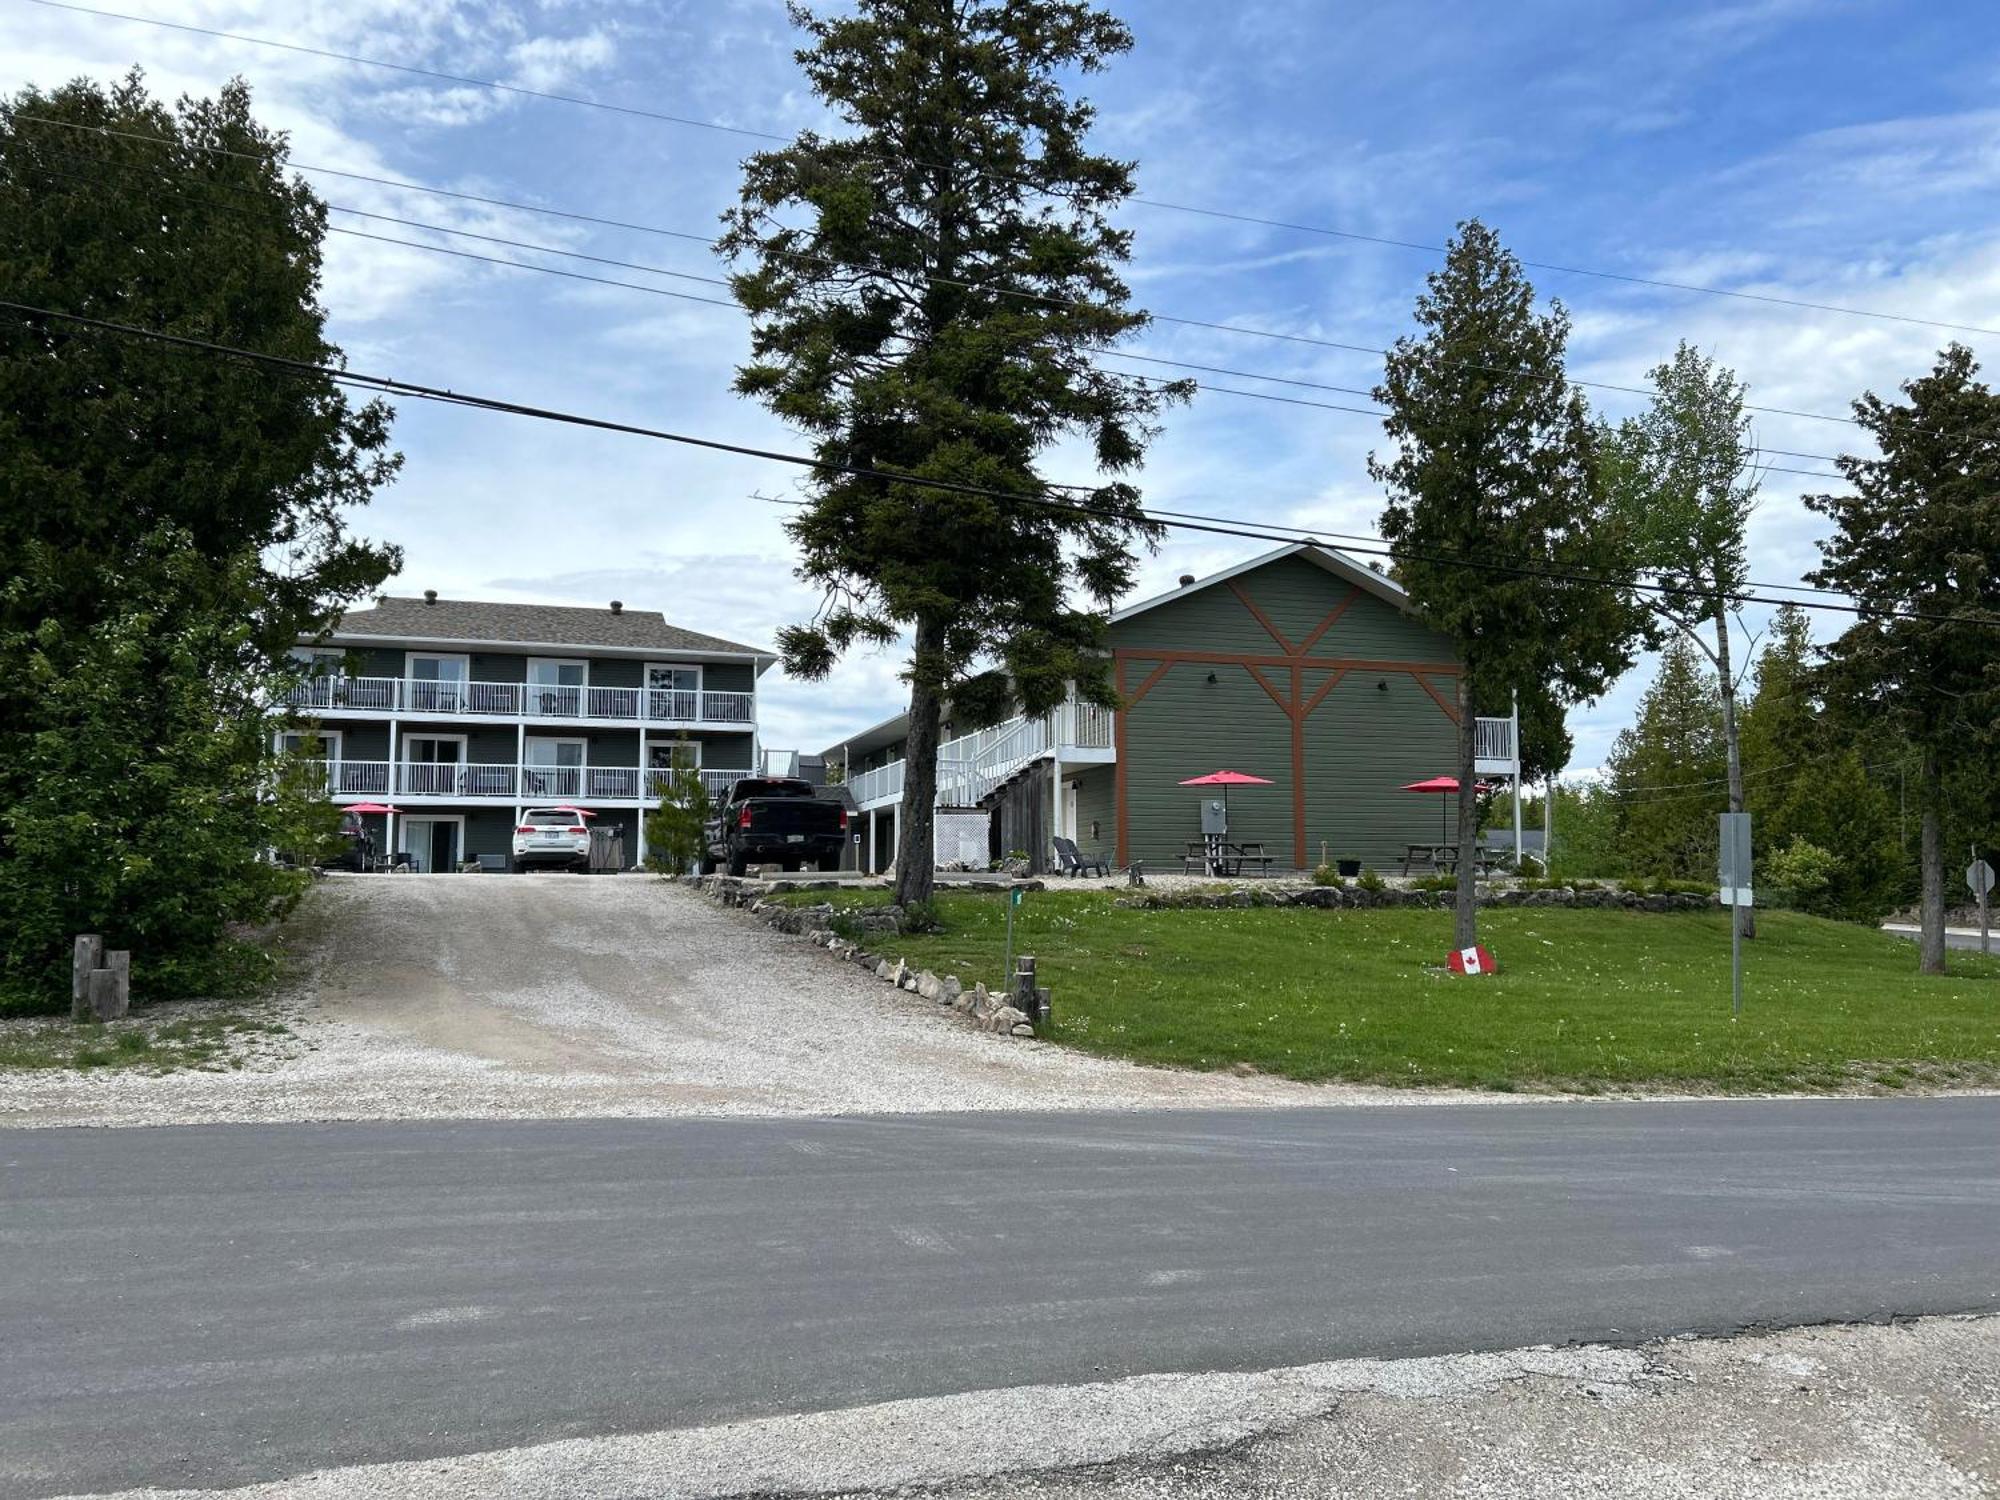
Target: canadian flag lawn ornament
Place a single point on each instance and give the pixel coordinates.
(1473, 960)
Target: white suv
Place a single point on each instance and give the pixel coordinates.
(557, 837)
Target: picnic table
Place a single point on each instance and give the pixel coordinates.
(1220, 857)
(1443, 858)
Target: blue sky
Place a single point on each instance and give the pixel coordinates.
(1845, 153)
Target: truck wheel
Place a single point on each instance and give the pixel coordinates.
(738, 863)
(707, 865)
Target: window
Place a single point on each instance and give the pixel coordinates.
(667, 755)
(322, 744)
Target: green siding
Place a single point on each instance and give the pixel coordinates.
(361, 741)
(486, 745)
(375, 661)
(725, 752)
(489, 830)
(1096, 792)
(1296, 595)
(728, 677)
(490, 666)
(615, 671)
(1360, 745)
(1189, 726)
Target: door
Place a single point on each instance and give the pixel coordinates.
(555, 688)
(1069, 812)
(437, 683)
(432, 764)
(432, 844)
(554, 768)
(672, 692)
(318, 755)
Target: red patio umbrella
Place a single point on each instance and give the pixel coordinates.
(581, 812)
(1226, 780)
(1442, 785)
(372, 807)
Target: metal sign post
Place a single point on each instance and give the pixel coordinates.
(1735, 894)
(1013, 900)
(1979, 875)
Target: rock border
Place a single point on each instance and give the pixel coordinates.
(984, 1009)
(1359, 898)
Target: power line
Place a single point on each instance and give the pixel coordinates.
(1198, 210)
(1243, 330)
(390, 385)
(719, 302)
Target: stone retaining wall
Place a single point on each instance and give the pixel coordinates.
(1354, 897)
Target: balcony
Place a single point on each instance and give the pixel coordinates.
(972, 765)
(358, 780)
(533, 701)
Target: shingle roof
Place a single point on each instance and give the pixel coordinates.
(529, 624)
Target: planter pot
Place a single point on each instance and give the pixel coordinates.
(1348, 869)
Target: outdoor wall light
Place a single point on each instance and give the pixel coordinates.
(1381, 684)
(1211, 677)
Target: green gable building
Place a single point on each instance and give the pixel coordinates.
(1301, 667)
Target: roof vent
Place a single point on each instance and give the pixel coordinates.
(618, 606)
(1186, 579)
(430, 596)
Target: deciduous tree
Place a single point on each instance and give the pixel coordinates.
(172, 521)
(1682, 476)
(928, 286)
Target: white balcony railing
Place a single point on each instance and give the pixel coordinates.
(357, 780)
(972, 765)
(1493, 745)
(520, 700)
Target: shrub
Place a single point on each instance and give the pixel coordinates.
(1372, 881)
(922, 916)
(1804, 871)
(844, 924)
(1435, 883)
(1325, 875)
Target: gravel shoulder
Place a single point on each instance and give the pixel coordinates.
(550, 996)
(1856, 1412)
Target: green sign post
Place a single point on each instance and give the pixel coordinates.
(1013, 900)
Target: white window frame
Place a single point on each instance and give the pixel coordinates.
(582, 742)
(672, 745)
(411, 658)
(330, 738)
(673, 666)
(464, 749)
(333, 658)
(557, 661)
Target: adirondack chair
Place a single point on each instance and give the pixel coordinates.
(1074, 861)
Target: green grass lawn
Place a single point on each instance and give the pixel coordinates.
(162, 1039)
(1584, 1001)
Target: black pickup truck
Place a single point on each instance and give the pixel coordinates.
(775, 820)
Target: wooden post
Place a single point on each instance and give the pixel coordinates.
(118, 963)
(89, 955)
(1024, 984)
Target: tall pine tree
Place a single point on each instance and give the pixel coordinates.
(1496, 508)
(927, 288)
(1917, 543)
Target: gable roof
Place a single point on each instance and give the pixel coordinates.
(1339, 564)
(482, 622)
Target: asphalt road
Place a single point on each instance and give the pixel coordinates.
(216, 1305)
(1966, 939)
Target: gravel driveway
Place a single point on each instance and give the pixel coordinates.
(556, 995)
